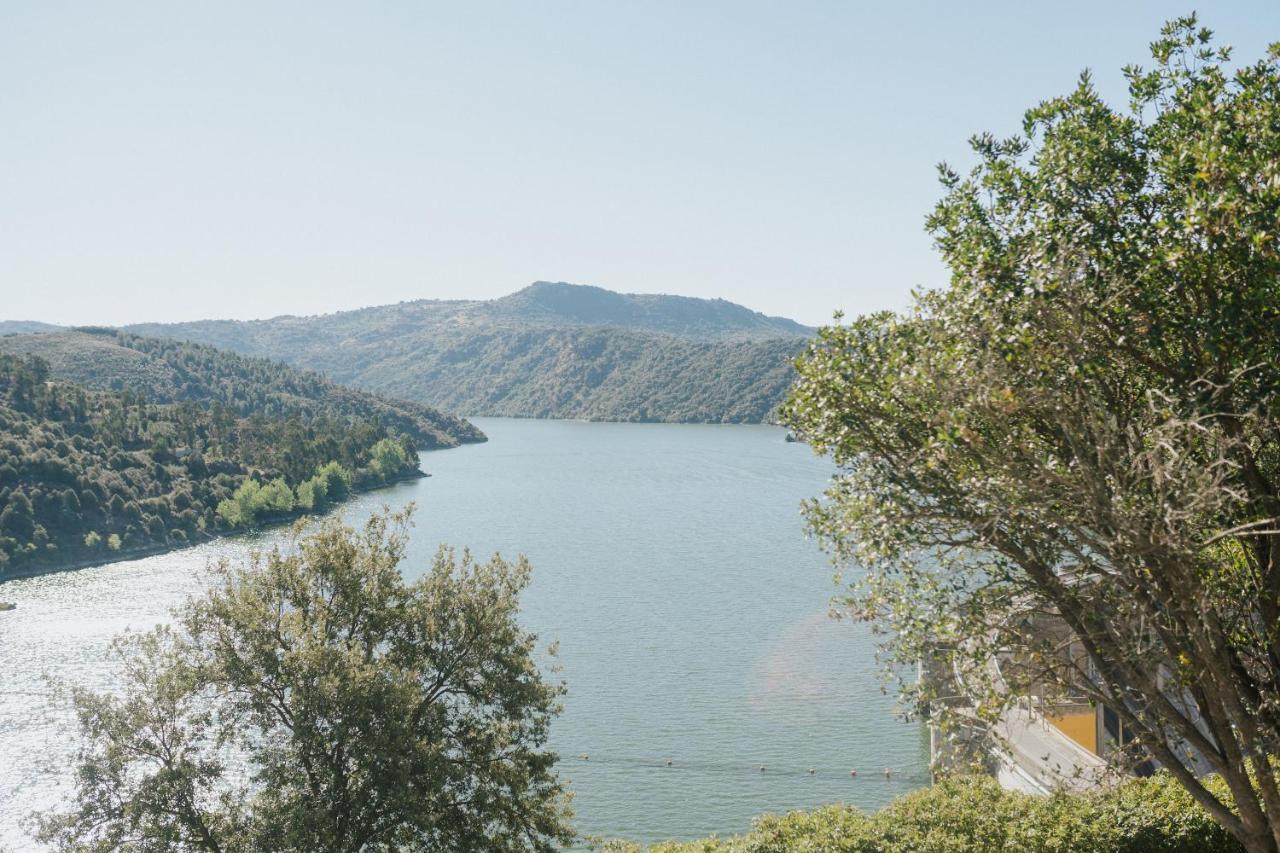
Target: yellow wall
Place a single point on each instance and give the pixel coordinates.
(1081, 728)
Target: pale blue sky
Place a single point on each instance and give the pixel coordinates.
(171, 161)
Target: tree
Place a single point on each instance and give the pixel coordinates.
(70, 502)
(336, 479)
(306, 492)
(1086, 424)
(314, 700)
(241, 508)
(274, 497)
(17, 517)
(389, 457)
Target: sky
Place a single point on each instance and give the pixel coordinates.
(167, 161)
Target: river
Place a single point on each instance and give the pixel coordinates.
(670, 563)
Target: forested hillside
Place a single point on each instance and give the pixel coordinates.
(550, 350)
(217, 441)
(168, 371)
(594, 374)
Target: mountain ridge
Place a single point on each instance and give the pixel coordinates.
(548, 350)
(552, 303)
(26, 327)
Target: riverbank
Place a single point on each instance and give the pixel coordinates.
(137, 552)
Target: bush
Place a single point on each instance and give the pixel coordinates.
(306, 495)
(389, 458)
(253, 500)
(1153, 815)
(238, 510)
(273, 498)
(336, 479)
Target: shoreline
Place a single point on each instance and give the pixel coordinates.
(165, 547)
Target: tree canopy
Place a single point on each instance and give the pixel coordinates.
(314, 700)
(1085, 424)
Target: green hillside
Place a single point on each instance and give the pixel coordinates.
(168, 371)
(551, 350)
(217, 441)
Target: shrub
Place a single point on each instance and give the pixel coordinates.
(389, 458)
(253, 500)
(1153, 815)
(306, 495)
(337, 481)
(274, 497)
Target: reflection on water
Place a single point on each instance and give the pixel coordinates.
(670, 563)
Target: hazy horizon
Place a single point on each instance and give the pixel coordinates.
(166, 164)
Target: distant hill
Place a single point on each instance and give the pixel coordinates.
(24, 327)
(558, 304)
(549, 350)
(113, 444)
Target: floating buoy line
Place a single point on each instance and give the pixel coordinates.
(673, 764)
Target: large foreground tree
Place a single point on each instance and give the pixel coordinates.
(314, 700)
(1084, 427)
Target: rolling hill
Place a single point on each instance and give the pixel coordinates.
(551, 350)
(23, 327)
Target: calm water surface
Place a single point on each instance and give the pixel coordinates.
(669, 561)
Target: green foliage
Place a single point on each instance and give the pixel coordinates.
(1086, 424)
(172, 372)
(314, 700)
(241, 509)
(313, 494)
(389, 458)
(274, 497)
(334, 481)
(549, 351)
(971, 814)
(306, 496)
(223, 444)
(232, 513)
